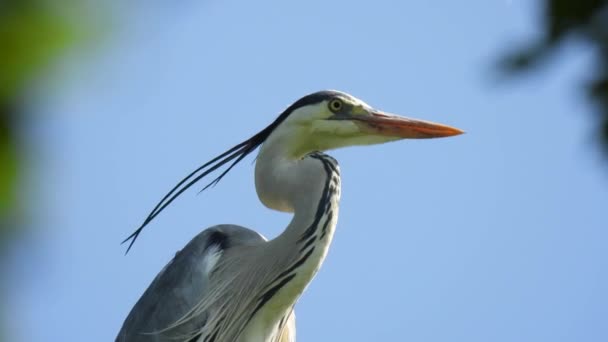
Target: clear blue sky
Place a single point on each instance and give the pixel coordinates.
(497, 235)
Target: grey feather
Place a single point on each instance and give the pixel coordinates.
(179, 287)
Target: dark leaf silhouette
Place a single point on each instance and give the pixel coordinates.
(581, 20)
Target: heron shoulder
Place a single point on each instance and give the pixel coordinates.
(180, 284)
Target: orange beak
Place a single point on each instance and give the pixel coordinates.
(380, 123)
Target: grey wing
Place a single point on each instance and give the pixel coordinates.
(180, 286)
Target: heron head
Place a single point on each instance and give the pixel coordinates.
(320, 121)
(331, 119)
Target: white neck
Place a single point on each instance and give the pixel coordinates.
(310, 188)
(297, 185)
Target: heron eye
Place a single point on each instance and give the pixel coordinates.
(335, 105)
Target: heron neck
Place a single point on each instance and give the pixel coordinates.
(316, 203)
(309, 187)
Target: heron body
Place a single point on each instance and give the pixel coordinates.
(230, 283)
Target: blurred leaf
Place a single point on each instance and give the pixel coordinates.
(524, 59)
(582, 20)
(8, 173)
(563, 17)
(31, 37)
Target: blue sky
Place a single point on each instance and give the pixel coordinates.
(496, 235)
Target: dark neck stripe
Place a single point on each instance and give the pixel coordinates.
(323, 203)
(308, 243)
(269, 294)
(327, 160)
(293, 267)
(329, 217)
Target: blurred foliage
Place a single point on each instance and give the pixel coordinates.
(31, 36)
(584, 20)
(33, 33)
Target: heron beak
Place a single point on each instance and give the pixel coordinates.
(380, 123)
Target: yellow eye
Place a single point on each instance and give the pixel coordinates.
(336, 105)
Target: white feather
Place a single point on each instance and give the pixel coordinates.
(212, 256)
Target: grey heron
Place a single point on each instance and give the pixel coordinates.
(230, 284)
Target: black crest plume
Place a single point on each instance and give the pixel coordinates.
(235, 154)
(232, 157)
